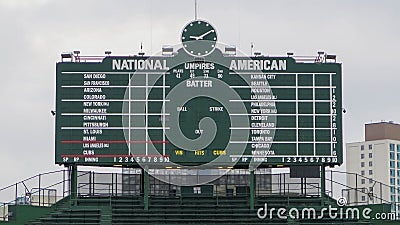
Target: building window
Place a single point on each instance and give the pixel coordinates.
(363, 198)
(392, 174)
(398, 148)
(370, 172)
(363, 164)
(393, 198)
(398, 173)
(371, 181)
(398, 181)
(362, 181)
(392, 182)
(398, 164)
(362, 172)
(370, 163)
(392, 147)
(369, 147)
(371, 189)
(392, 190)
(362, 147)
(370, 155)
(362, 156)
(391, 164)
(392, 155)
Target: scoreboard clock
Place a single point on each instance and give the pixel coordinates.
(199, 38)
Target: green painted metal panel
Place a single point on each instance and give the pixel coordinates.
(177, 111)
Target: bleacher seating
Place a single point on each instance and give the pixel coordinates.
(130, 210)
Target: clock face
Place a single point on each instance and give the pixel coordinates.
(199, 38)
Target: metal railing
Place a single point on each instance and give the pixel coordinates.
(44, 189)
(41, 190)
(376, 193)
(47, 188)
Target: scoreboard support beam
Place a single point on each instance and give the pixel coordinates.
(146, 188)
(323, 189)
(252, 189)
(73, 172)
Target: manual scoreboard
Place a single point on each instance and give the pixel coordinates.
(198, 107)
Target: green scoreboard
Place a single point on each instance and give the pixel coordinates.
(199, 106)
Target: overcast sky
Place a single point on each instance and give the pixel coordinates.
(364, 35)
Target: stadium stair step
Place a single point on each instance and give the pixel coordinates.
(129, 210)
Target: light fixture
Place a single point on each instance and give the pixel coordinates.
(76, 53)
(321, 57)
(141, 53)
(167, 50)
(53, 112)
(230, 50)
(66, 55)
(331, 57)
(257, 54)
(289, 54)
(108, 52)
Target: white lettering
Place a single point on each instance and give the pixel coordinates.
(247, 64)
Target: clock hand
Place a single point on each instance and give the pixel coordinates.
(194, 37)
(201, 36)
